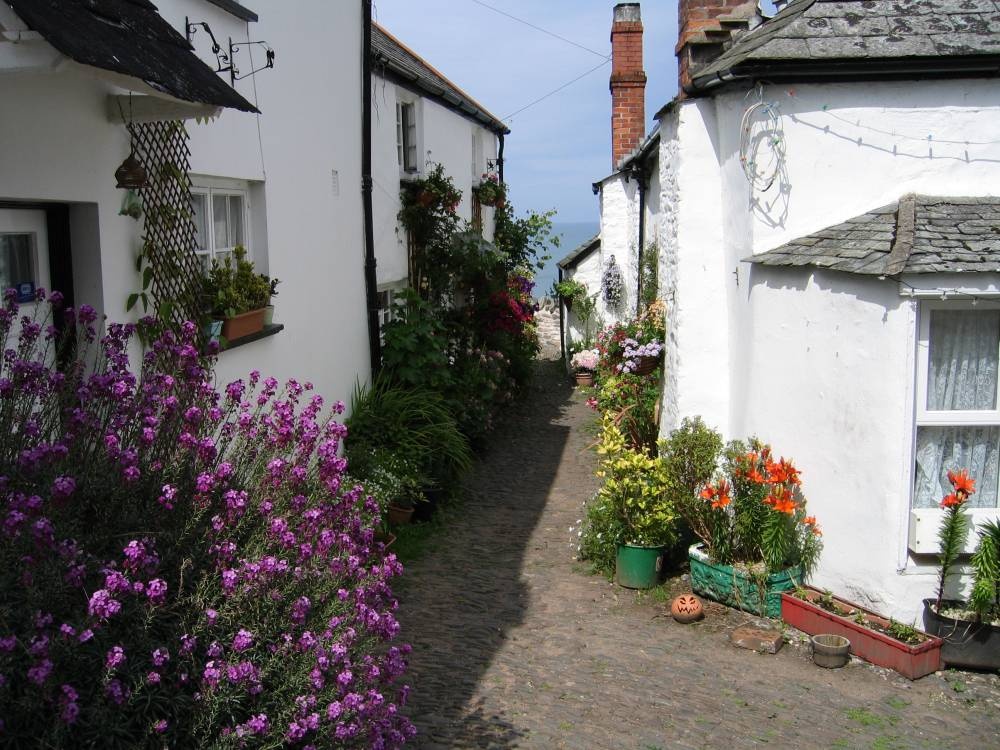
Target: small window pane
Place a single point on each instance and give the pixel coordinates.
(944, 449)
(220, 221)
(236, 219)
(16, 260)
(964, 346)
(206, 262)
(198, 215)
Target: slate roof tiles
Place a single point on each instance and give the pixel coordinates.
(917, 234)
(814, 33)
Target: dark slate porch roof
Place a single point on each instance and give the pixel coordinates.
(580, 253)
(130, 38)
(392, 55)
(917, 234)
(830, 39)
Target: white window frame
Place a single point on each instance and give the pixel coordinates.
(32, 259)
(925, 522)
(407, 146)
(386, 312)
(211, 192)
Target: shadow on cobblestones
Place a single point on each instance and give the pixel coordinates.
(459, 604)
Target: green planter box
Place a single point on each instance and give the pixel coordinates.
(735, 588)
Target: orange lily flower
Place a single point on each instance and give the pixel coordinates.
(962, 482)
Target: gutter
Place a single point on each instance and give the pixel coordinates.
(500, 157)
(371, 281)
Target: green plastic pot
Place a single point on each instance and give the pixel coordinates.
(638, 567)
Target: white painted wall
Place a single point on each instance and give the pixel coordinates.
(444, 137)
(820, 364)
(60, 146)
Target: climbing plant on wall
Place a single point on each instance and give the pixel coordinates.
(170, 271)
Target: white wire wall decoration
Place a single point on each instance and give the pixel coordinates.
(762, 142)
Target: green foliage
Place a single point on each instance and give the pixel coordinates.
(570, 290)
(649, 271)
(631, 402)
(631, 506)
(233, 288)
(523, 242)
(602, 532)
(690, 454)
(951, 536)
(584, 310)
(903, 632)
(391, 478)
(413, 424)
(429, 214)
(985, 597)
(414, 352)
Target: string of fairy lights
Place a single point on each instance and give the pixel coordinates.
(762, 141)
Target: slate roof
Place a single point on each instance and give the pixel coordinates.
(917, 234)
(394, 56)
(576, 255)
(824, 38)
(129, 37)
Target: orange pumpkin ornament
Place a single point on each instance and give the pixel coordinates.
(686, 608)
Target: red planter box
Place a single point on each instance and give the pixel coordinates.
(910, 661)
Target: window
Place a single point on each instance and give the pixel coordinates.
(387, 299)
(17, 264)
(957, 412)
(478, 166)
(406, 135)
(220, 220)
(477, 213)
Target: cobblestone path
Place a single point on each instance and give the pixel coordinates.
(516, 646)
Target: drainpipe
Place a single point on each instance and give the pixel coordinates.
(371, 281)
(640, 176)
(562, 321)
(500, 158)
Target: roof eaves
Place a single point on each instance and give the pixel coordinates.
(581, 252)
(234, 8)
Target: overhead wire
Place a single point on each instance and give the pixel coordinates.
(556, 91)
(539, 28)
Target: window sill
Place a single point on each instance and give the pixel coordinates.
(267, 332)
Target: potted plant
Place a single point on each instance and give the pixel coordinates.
(874, 638)
(757, 539)
(394, 482)
(634, 346)
(491, 192)
(569, 291)
(269, 310)
(634, 493)
(237, 295)
(584, 363)
(970, 629)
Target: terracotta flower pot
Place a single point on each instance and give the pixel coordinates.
(399, 516)
(243, 324)
(584, 378)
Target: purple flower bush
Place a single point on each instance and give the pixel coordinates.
(632, 351)
(182, 567)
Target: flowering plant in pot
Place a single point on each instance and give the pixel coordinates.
(491, 192)
(612, 284)
(584, 363)
(970, 628)
(237, 294)
(570, 291)
(394, 482)
(756, 537)
(632, 509)
(633, 346)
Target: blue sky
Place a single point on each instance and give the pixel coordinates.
(558, 147)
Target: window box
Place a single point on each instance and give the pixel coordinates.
(911, 661)
(243, 325)
(735, 587)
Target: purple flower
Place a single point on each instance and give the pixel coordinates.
(102, 606)
(63, 487)
(243, 640)
(39, 673)
(156, 591)
(160, 726)
(115, 657)
(160, 657)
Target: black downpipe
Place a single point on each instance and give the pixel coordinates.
(562, 321)
(500, 159)
(640, 175)
(371, 280)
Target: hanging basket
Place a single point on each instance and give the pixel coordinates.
(646, 365)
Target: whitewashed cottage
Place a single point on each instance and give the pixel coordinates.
(825, 197)
(421, 119)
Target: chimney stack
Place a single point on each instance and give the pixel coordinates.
(704, 26)
(628, 82)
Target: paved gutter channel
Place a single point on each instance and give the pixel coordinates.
(516, 646)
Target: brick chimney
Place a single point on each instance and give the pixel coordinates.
(704, 28)
(628, 82)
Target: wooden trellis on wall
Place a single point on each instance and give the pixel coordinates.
(172, 274)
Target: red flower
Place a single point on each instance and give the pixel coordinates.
(953, 500)
(962, 482)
